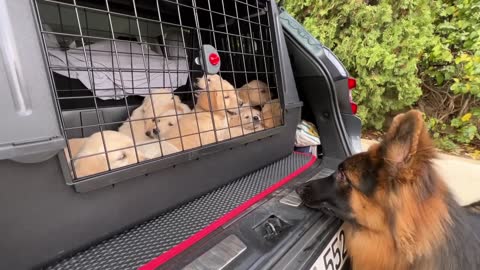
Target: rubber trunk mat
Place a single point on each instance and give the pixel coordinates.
(176, 230)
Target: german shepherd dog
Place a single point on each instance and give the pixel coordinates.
(398, 212)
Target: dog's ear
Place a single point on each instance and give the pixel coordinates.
(407, 138)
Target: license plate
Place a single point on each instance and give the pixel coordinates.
(334, 255)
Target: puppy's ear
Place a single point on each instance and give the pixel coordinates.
(407, 138)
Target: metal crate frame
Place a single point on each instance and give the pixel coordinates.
(240, 48)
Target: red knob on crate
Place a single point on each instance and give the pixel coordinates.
(214, 59)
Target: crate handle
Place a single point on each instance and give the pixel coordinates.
(11, 62)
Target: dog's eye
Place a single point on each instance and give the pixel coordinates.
(153, 120)
(263, 91)
(226, 97)
(170, 124)
(247, 117)
(208, 80)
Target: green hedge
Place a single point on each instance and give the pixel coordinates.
(405, 53)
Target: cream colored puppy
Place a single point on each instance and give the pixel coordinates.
(256, 93)
(91, 158)
(153, 148)
(75, 144)
(209, 121)
(272, 114)
(142, 120)
(249, 120)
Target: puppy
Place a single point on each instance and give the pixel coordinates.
(256, 93)
(272, 114)
(208, 123)
(249, 120)
(142, 120)
(91, 158)
(153, 148)
(75, 144)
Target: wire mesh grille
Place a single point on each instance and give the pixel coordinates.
(130, 84)
(139, 245)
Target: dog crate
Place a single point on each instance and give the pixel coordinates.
(104, 57)
(73, 68)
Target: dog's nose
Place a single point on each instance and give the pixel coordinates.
(148, 133)
(155, 131)
(256, 118)
(302, 190)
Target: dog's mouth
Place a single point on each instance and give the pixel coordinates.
(328, 208)
(253, 126)
(332, 210)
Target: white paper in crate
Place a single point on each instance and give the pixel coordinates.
(306, 135)
(110, 84)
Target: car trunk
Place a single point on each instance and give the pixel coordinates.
(234, 198)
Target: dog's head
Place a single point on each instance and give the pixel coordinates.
(155, 106)
(256, 92)
(272, 114)
(91, 158)
(164, 123)
(157, 99)
(249, 118)
(370, 188)
(219, 95)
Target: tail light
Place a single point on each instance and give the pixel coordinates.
(352, 83)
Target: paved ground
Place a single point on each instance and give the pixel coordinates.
(462, 175)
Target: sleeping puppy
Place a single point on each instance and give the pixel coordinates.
(249, 120)
(209, 117)
(272, 114)
(75, 144)
(91, 158)
(142, 120)
(153, 148)
(255, 92)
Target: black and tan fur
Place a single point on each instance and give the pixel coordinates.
(398, 211)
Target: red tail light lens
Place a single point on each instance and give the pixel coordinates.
(354, 107)
(352, 83)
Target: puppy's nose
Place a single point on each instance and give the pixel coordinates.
(155, 131)
(148, 133)
(256, 118)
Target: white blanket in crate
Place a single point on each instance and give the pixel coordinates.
(109, 81)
